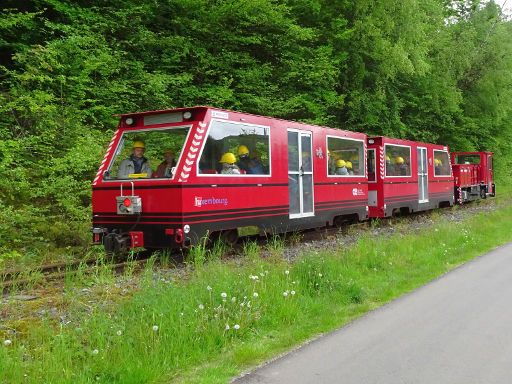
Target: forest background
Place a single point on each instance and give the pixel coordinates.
(431, 70)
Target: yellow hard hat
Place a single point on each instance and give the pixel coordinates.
(228, 158)
(399, 160)
(340, 163)
(438, 162)
(138, 144)
(349, 165)
(243, 150)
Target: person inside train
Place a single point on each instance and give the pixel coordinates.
(136, 164)
(229, 167)
(341, 167)
(437, 166)
(250, 165)
(401, 168)
(390, 170)
(164, 169)
(349, 167)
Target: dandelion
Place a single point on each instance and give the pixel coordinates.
(320, 275)
(119, 333)
(292, 293)
(248, 304)
(181, 313)
(155, 328)
(223, 295)
(227, 327)
(255, 294)
(285, 293)
(7, 342)
(287, 272)
(201, 306)
(236, 326)
(95, 351)
(254, 277)
(209, 288)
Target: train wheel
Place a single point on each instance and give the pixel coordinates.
(483, 194)
(230, 237)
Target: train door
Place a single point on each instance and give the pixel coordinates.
(300, 174)
(422, 175)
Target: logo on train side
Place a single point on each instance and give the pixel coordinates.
(201, 201)
(357, 192)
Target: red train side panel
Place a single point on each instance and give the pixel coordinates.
(407, 176)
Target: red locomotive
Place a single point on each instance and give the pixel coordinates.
(172, 177)
(474, 178)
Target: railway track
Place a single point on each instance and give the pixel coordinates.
(20, 278)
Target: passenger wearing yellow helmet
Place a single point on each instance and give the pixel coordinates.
(341, 167)
(229, 167)
(437, 166)
(252, 166)
(401, 168)
(136, 164)
(349, 167)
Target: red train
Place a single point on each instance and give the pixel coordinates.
(172, 177)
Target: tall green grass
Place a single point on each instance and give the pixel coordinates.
(227, 316)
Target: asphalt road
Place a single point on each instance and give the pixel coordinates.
(457, 329)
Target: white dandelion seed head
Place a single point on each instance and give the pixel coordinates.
(285, 293)
(287, 272)
(200, 306)
(255, 294)
(119, 333)
(236, 326)
(155, 328)
(95, 351)
(320, 275)
(227, 327)
(209, 288)
(223, 295)
(7, 342)
(292, 293)
(181, 313)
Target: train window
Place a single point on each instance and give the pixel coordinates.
(398, 160)
(147, 154)
(371, 165)
(441, 163)
(345, 157)
(467, 159)
(236, 149)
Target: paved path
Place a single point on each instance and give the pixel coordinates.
(457, 329)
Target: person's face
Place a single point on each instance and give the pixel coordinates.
(138, 152)
(169, 157)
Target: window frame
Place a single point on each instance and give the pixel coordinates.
(121, 140)
(207, 133)
(410, 160)
(327, 154)
(434, 162)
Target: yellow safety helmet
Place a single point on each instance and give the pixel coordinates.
(438, 162)
(340, 163)
(243, 150)
(138, 144)
(349, 165)
(399, 160)
(228, 158)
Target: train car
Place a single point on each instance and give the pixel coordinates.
(407, 176)
(474, 175)
(170, 178)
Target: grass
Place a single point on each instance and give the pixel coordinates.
(228, 316)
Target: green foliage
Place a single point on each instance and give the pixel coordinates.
(426, 70)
